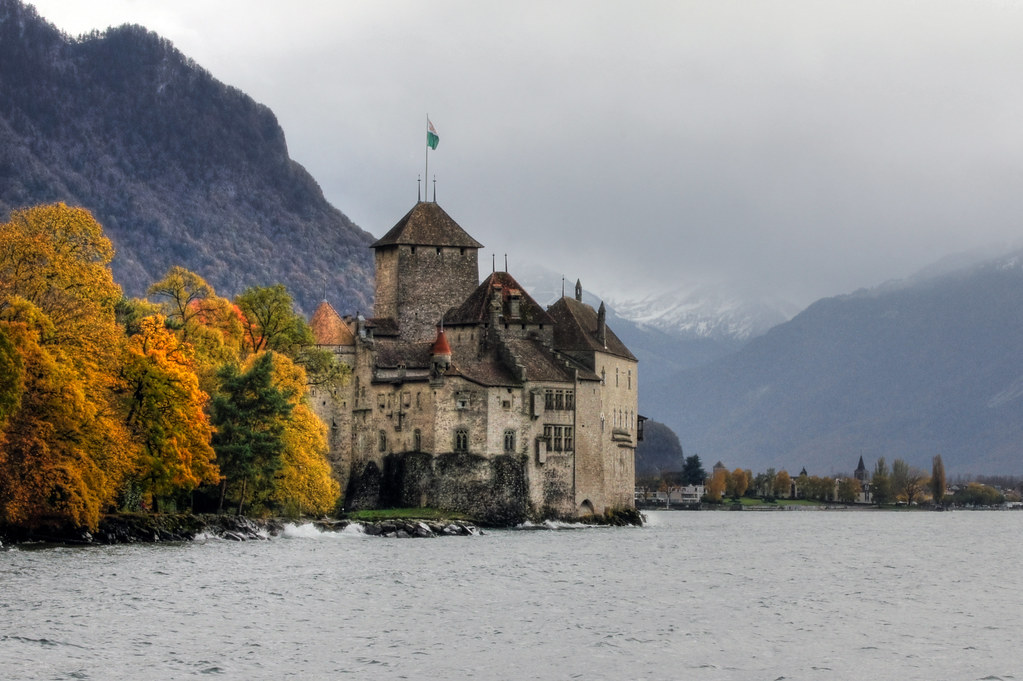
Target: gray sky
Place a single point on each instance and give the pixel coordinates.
(790, 149)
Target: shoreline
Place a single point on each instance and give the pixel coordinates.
(157, 528)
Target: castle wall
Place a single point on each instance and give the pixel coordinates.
(619, 410)
(416, 285)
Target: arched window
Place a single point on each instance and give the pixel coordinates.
(383, 441)
(461, 440)
(417, 440)
(509, 440)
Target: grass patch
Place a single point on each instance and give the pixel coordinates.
(378, 514)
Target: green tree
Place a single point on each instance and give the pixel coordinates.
(692, 471)
(881, 484)
(938, 480)
(249, 415)
(270, 321)
(900, 478)
(848, 490)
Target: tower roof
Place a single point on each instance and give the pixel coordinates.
(328, 327)
(476, 307)
(577, 330)
(427, 225)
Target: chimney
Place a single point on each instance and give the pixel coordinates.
(602, 325)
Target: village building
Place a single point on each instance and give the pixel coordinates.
(471, 396)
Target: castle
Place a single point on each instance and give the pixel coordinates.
(471, 396)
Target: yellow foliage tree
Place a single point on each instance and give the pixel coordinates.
(66, 450)
(304, 479)
(717, 484)
(782, 484)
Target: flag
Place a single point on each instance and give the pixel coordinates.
(432, 138)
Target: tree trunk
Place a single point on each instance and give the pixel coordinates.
(241, 499)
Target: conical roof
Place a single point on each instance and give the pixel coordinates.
(427, 225)
(328, 327)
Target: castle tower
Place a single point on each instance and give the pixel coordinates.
(425, 265)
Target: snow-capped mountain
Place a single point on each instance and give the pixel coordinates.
(704, 313)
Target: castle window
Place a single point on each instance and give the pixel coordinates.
(506, 404)
(569, 400)
(461, 440)
(616, 377)
(559, 438)
(603, 376)
(413, 250)
(630, 379)
(509, 440)
(383, 441)
(462, 401)
(438, 250)
(417, 440)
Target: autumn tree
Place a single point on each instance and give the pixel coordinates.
(915, 485)
(782, 484)
(938, 480)
(166, 412)
(303, 483)
(716, 485)
(880, 483)
(183, 294)
(66, 450)
(737, 483)
(11, 377)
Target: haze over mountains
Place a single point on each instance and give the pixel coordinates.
(183, 170)
(931, 365)
(179, 168)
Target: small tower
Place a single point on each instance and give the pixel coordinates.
(440, 356)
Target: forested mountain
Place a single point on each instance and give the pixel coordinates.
(179, 168)
(932, 365)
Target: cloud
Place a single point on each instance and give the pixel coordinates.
(794, 149)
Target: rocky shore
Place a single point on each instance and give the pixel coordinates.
(149, 528)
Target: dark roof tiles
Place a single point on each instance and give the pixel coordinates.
(427, 225)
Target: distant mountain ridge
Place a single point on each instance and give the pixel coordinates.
(910, 369)
(702, 312)
(179, 168)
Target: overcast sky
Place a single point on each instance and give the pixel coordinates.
(786, 149)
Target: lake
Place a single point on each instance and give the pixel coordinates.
(692, 595)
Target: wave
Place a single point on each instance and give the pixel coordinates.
(311, 531)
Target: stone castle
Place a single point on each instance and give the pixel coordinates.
(472, 397)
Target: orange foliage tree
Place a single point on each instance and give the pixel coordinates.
(166, 412)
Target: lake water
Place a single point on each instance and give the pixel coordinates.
(784, 595)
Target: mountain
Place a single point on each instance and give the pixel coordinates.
(179, 168)
(704, 312)
(931, 365)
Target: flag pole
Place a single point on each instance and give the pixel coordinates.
(427, 173)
